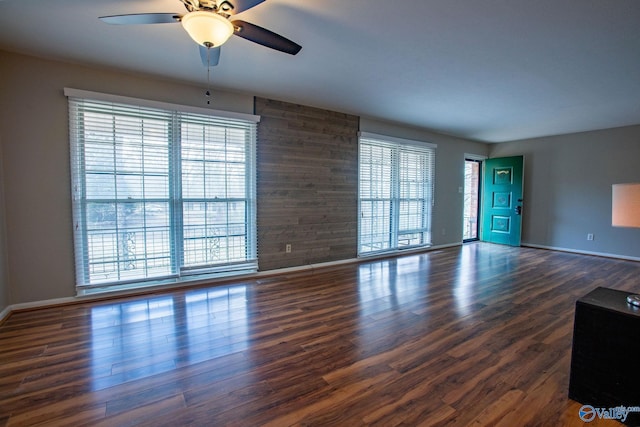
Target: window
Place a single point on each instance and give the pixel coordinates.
(395, 195)
(472, 168)
(159, 193)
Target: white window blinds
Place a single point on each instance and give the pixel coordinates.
(395, 193)
(159, 193)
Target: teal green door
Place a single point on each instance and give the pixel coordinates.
(502, 201)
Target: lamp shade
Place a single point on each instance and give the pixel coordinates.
(207, 28)
(625, 205)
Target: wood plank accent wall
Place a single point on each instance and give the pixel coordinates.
(307, 184)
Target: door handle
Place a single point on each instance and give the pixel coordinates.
(518, 210)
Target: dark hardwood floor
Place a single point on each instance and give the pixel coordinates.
(477, 335)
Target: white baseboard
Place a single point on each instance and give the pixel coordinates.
(581, 252)
(44, 303)
(4, 314)
(131, 292)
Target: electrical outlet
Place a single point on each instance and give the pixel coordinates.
(590, 236)
(287, 248)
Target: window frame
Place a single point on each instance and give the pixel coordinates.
(176, 116)
(397, 148)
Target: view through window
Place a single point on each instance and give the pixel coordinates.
(160, 194)
(395, 193)
(471, 199)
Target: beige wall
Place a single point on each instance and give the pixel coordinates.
(34, 134)
(567, 189)
(567, 178)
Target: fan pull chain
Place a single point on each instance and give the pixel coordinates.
(208, 92)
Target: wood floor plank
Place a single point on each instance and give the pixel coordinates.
(472, 335)
(148, 414)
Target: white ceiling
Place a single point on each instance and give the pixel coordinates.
(489, 70)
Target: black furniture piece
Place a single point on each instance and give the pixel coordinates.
(605, 359)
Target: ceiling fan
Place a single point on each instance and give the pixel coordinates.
(208, 24)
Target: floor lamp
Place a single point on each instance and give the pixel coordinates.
(625, 212)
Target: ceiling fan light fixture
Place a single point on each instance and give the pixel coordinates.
(207, 28)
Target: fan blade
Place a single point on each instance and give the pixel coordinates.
(142, 18)
(236, 6)
(265, 37)
(210, 58)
